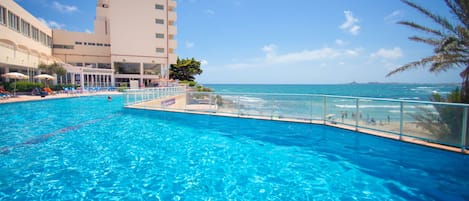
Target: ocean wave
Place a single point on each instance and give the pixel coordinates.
(244, 99)
(368, 106)
(387, 106)
(409, 98)
(398, 111)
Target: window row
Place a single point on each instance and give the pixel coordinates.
(92, 44)
(58, 46)
(20, 25)
(92, 65)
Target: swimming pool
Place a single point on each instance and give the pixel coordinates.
(91, 149)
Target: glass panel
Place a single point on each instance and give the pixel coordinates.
(227, 104)
(438, 123)
(127, 68)
(379, 115)
(151, 69)
(201, 102)
(340, 110)
(255, 105)
(296, 107)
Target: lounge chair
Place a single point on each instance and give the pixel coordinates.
(49, 91)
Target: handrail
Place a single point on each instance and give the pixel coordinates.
(346, 97)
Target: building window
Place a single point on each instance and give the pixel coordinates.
(90, 65)
(159, 21)
(151, 69)
(42, 38)
(159, 7)
(159, 35)
(104, 65)
(78, 43)
(35, 33)
(25, 28)
(160, 50)
(3, 15)
(107, 45)
(49, 41)
(58, 46)
(127, 68)
(99, 44)
(13, 21)
(91, 44)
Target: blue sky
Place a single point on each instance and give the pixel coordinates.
(289, 42)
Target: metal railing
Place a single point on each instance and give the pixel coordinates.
(441, 123)
(135, 96)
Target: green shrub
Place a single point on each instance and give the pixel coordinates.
(60, 87)
(23, 86)
(121, 89)
(190, 83)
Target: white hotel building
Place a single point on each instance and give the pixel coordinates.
(131, 41)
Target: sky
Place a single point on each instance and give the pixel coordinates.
(285, 42)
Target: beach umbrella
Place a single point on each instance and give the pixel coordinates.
(44, 77)
(15, 76)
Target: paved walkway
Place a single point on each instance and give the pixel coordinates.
(24, 98)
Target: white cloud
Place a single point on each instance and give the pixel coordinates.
(189, 44)
(340, 42)
(88, 31)
(394, 16)
(350, 23)
(64, 8)
(210, 12)
(203, 62)
(272, 57)
(52, 24)
(394, 53)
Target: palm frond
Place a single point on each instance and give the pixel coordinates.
(460, 8)
(415, 64)
(429, 41)
(436, 18)
(420, 27)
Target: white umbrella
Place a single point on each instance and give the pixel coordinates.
(45, 77)
(16, 76)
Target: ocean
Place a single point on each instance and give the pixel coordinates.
(421, 92)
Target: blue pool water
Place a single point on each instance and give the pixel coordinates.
(91, 149)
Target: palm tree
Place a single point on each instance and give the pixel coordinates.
(450, 42)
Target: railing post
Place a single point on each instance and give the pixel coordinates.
(325, 109)
(464, 130)
(210, 102)
(272, 108)
(401, 120)
(311, 110)
(357, 110)
(238, 105)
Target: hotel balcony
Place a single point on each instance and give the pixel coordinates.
(172, 16)
(172, 4)
(172, 44)
(172, 58)
(172, 30)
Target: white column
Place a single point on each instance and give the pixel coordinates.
(82, 80)
(141, 75)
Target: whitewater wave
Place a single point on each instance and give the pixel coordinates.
(386, 106)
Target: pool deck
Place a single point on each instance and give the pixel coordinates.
(180, 106)
(26, 98)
